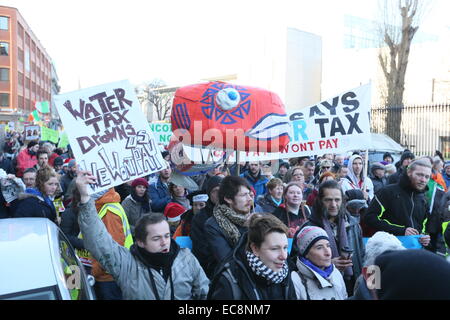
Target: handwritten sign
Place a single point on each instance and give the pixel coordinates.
(109, 135)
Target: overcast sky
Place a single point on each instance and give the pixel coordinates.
(100, 41)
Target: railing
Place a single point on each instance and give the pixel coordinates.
(421, 128)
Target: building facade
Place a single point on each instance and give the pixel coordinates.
(25, 68)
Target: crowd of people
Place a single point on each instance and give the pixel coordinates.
(284, 230)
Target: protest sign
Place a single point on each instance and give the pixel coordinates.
(49, 135)
(32, 132)
(109, 135)
(336, 125)
(63, 141)
(162, 132)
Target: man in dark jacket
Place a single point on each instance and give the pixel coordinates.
(159, 191)
(401, 209)
(228, 223)
(256, 179)
(406, 158)
(6, 164)
(200, 247)
(377, 176)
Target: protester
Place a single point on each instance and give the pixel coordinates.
(6, 164)
(37, 202)
(70, 227)
(228, 223)
(326, 176)
(42, 156)
(273, 198)
(401, 208)
(406, 158)
(446, 174)
(257, 268)
(355, 178)
(29, 178)
(173, 212)
(294, 213)
(308, 172)
(387, 159)
(57, 165)
(282, 170)
(155, 268)
(341, 173)
(377, 244)
(378, 176)
(436, 175)
(317, 278)
(255, 178)
(200, 246)
(198, 201)
(159, 191)
(179, 195)
(124, 190)
(137, 203)
(66, 180)
(10, 189)
(27, 158)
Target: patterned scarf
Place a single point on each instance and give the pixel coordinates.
(260, 269)
(228, 221)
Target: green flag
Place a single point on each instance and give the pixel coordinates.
(35, 115)
(43, 106)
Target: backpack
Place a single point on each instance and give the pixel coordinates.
(225, 271)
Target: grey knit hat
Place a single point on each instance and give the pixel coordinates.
(307, 237)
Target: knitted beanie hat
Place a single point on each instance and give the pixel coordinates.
(307, 237)
(139, 182)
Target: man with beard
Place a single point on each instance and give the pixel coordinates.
(401, 208)
(228, 223)
(256, 179)
(159, 191)
(155, 267)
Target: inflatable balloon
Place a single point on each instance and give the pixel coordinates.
(230, 117)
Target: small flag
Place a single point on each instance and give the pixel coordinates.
(42, 106)
(34, 116)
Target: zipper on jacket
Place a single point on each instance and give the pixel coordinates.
(412, 210)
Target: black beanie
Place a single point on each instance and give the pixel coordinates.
(31, 144)
(406, 155)
(212, 183)
(413, 275)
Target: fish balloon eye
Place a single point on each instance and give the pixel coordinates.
(228, 99)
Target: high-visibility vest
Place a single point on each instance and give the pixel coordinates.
(116, 208)
(444, 228)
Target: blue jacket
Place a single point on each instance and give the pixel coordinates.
(160, 196)
(34, 206)
(446, 179)
(259, 184)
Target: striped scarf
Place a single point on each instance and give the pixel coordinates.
(260, 269)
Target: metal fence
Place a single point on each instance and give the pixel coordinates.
(421, 128)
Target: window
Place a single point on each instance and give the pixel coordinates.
(20, 54)
(4, 74)
(20, 102)
(20, 30)
(27, 83)
(4, 48)
(4, 23)
(4, 99)
(20, 78)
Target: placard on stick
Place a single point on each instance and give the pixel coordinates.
(109, 134)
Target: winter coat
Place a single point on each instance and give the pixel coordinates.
(160, 195)
(266, 203)
(446, 179)
(25, 161)
(69, 225)
(134, 211)
(65, 183)
(131, 274)
(347, 184)
(33, 206)
(249, 286)
(398, 207)
(200, 246)
(317, 287)
(6, 164)
(378, 183)
(220, 245)
(259, 184)
(293, 221)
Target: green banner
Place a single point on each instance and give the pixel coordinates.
(49, 135)
(64, 142)
(162, 132)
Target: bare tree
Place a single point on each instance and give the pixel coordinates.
(399, 22)
(159, 96)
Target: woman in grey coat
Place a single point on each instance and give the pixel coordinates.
(137, 203)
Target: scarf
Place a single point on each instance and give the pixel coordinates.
(261, 270)
(341, 239)
(324, 273)
(277, 203)
(142, 200)
(228, 221)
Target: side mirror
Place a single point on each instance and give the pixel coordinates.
(91, 280)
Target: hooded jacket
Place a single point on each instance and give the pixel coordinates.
(351, 181)
(25, 160)
(132, 274)
(258, 183)
(398, 207)
(236, 273)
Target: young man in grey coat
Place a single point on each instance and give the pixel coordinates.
(155, 268)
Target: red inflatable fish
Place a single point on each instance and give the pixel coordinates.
(230, 117)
